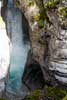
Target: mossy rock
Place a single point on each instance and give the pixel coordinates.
(34, 95)
(41, 23)
(55, 93)
(62, 11)
(50, 4)
(2, 99)
(30, 2)
(36, 17)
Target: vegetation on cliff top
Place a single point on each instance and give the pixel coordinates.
(41, 17)
(52, 3)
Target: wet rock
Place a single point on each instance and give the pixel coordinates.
(31, 74)
(49, 49)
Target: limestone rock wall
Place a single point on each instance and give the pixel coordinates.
(48, 25)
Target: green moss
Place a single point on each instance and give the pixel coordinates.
(51, 3)
(41, 23)
(62, 11)
(55, 92)
(36, 17)
(30, 2)
(34, 95)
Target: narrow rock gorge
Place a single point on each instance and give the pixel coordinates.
(48, 29)
(38, 33)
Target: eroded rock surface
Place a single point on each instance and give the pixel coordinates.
(48, 35)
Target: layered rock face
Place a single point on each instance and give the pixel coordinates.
(57, 48)
(48, 35)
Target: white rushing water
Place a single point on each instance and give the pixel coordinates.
(19, 50)
(4, 53)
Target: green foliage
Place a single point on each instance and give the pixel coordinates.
(36, 17)
(41, 23)
(30, 2)
(2, 99)
(34, 95)
(62, 11)
(55, 93)
(51, 3)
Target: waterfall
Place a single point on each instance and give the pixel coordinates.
(19, 49)
(4, 54)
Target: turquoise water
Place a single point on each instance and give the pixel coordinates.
(19, 50)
